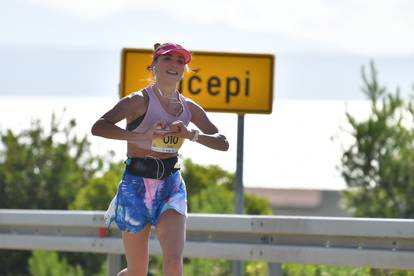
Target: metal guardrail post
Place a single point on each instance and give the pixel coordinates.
(113, 264)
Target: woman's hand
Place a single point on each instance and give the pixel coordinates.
(179, 129)
(157, 130)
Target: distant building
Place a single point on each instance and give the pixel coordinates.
(300, 202)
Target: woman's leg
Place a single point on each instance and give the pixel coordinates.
(136, 252)
(171, 235)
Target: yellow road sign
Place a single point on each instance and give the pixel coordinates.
(219, 82)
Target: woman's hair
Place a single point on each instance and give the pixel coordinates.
(156, 46)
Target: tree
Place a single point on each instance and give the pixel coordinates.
(100, 190)
(42, 170)
(44, 263)
(210, 190)
(199, 177)
(378, 167)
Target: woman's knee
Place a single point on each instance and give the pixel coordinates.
(173, 268)
(173, 261)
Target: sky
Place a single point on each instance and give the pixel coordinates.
(72, 48)
(379, 27)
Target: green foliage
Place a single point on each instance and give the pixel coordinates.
(323, 270)
(212, 199)
(44, 263)
(99, 191)
(254, 205)
(212, 267)
(379, 166)
(255, 268)
(210, 190)
(92, 264)
(204, 267)
(12, 262)
(41, 170)
(199, 177)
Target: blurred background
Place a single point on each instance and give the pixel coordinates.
(63, 57)
(57, 54)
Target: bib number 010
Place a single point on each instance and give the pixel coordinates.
(170, 140)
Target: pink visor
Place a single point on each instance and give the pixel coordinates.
(169, 48)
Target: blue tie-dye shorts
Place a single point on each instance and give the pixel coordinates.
(142, 200)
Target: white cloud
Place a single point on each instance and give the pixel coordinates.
(364, 27)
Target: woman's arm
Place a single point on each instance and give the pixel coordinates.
(210, 135)
(106, 125)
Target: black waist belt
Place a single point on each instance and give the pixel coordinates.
(152, 167)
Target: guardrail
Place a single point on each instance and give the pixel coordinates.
(359, 242)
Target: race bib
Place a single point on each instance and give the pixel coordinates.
(167, 144)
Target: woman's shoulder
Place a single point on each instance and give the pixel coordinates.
(190, 102)
(137, 95)
(134, 101)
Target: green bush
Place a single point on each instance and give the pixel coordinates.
(43, 263)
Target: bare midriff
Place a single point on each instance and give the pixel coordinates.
(134, 151)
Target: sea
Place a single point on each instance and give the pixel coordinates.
(298, 146)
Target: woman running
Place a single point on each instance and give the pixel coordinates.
(152, 191)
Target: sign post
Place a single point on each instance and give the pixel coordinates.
(219, 82)
(238, 187)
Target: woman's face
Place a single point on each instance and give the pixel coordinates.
(169, 67)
